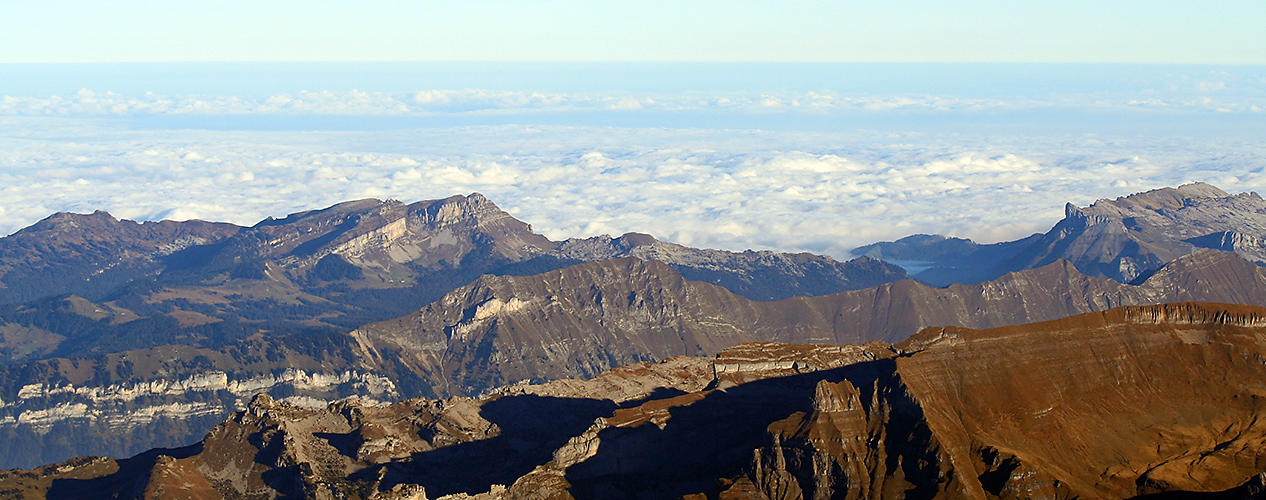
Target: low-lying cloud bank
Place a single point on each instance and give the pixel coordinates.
(731, 189)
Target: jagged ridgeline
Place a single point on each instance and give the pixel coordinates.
(1125, 239)
(1128, 402)
(80, 285)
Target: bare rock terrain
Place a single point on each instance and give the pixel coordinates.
(170, 327)
(1132, 401)
(501, 332)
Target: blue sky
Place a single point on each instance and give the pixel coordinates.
(1211, 32)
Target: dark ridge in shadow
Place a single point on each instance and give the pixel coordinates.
(532, 427)
(123, 482)
(658, 393)
(190, 258)
(709, 439)
(347, 444)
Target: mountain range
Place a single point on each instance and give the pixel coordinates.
(143, 335)
(331, 270)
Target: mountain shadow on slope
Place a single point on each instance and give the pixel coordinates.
(121, 483)
(531, 428)
(712, 437)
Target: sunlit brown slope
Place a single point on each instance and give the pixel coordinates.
(1107, 405)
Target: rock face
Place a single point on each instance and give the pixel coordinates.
(1182, 378)
(163, 396)
(1131, 401)
(1125, 239)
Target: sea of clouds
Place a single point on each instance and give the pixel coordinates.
(772, 166)
(732, 189)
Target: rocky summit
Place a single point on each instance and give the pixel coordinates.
(1132, 401)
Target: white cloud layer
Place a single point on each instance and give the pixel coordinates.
(728, 189)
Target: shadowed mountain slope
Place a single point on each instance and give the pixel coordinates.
(90, 255)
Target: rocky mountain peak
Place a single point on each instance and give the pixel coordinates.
(1166, 198)
(1128, 238)
(634, 240)
(69, 221)
(1201, 189)
(332, 215)
(1078, 218)
(473, 209)
(89, 254)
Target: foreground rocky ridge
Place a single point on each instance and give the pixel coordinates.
(1114, 404)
